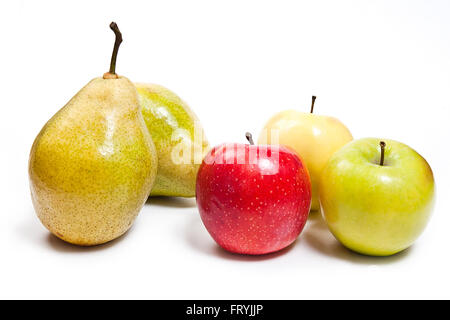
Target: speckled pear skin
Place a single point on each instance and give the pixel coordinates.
(165, 114)
(93, 164)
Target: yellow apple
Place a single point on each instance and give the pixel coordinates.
(314, 137)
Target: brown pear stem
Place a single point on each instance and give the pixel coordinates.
(249, 137)
(312, 103)
(382, 145)
(115, 28)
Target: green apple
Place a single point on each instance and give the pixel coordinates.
(376, 196)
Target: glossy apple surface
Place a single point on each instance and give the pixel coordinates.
(314, 137)
(373, 209)
(253, 206)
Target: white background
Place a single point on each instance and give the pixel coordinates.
(381, 67)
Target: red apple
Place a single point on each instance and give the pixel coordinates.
(253, 199)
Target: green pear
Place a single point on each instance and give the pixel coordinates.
(93, 164)
(179, 139)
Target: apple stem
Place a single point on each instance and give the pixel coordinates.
(115, 28)
(312, 103)
(382, 145)
(249, 137)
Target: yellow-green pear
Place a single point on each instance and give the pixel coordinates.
(179, 139)
(94, 163)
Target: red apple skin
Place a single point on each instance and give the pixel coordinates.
(247, 211)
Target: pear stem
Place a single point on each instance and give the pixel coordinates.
(115, 28)
(382, 145)
(312, 103)
(249, 137)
